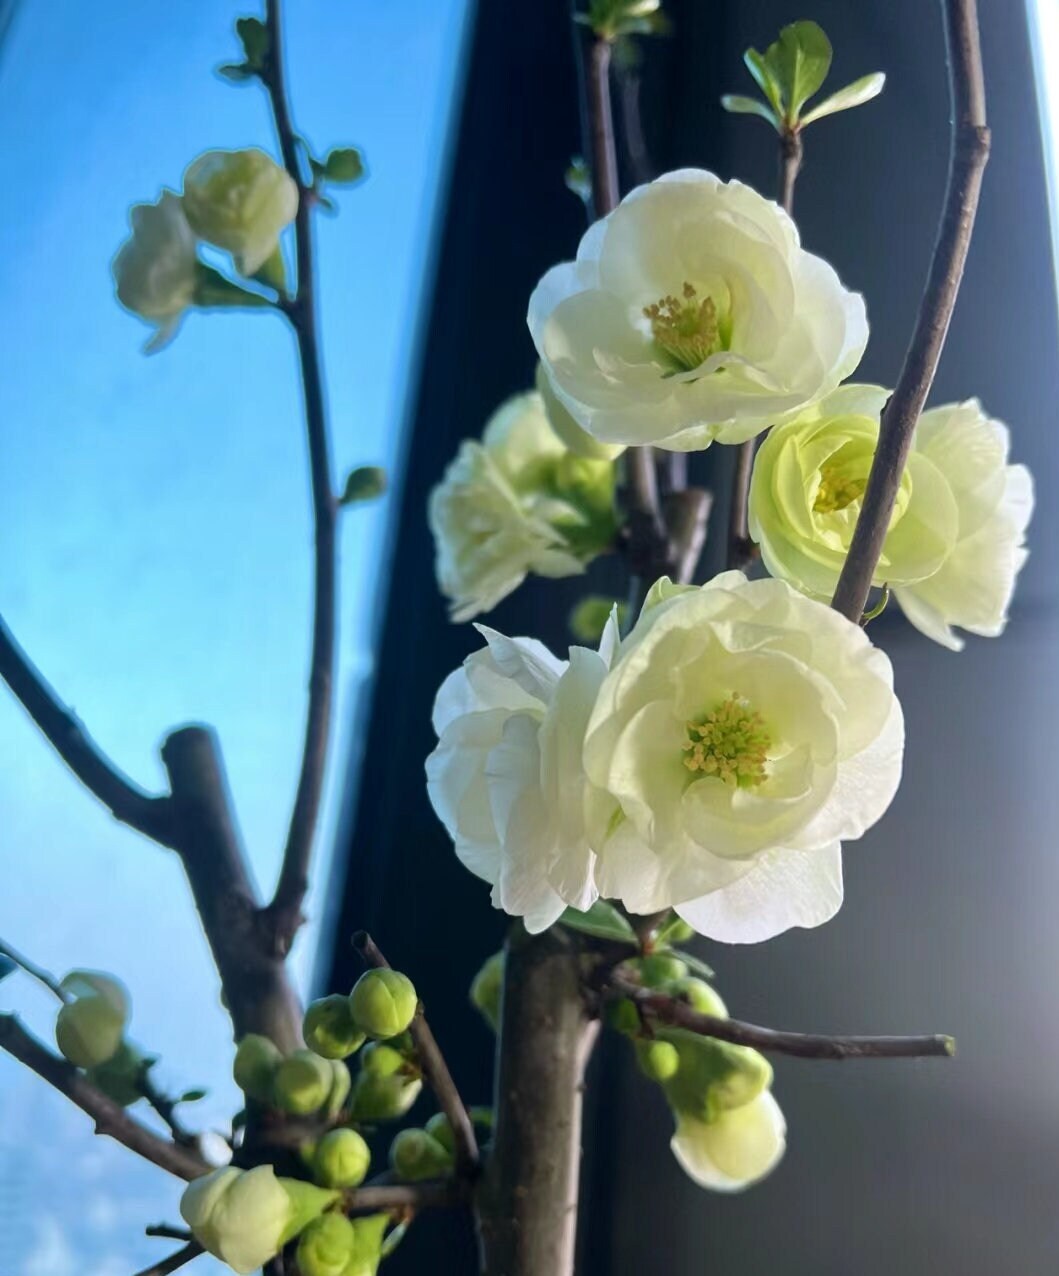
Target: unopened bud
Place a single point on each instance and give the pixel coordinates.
(240, 201)
(342, 1159)
(622, 1016)
(486, 988)
(254, 1067)
(417, 1155)
(438, 1127)
(660, 968)
(383, 1003)
(658, 1060)
(714, 1076)
(386, 1087)
(341, 1084)
(303, 1083)
(239, 1216)
(88, 1028)
(327, 1246)
(698, 994)
(329, 1029)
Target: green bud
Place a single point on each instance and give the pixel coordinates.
(89, 1028)
(329, 1029)
(438, 1127)
(659, 968)
(699, 995)
(676, 931)
(658, 1060)
(327, 1246)
(341, 1084)
(240, 1216)
(622, 1016)
(239, 201)
(486, 988)
(713, 1076)
(120, 1077)
(380, 1060)
(303, 1083)
(385, 1087)
(417, 1155)
(383, 1003)
(369, 1232)
(254, 1067)
(342, 1159)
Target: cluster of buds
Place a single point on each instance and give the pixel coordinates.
(334, 1245)
(300, 1083)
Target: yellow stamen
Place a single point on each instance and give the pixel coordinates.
(731, 743)
(688, 331)
(838, 488)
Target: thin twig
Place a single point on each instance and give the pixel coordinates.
(164, 1106)
(741, 549)
(284, 914)
(110, 1118)
(435, 1070)
(802, 1045)
(373, 1198)
(37, 972)
(967, 160)
(171, 1264)
(166, 1231)
(126, 802)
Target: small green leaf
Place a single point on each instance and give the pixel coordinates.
(7, 966)
(696, 964)
(365, 483)
(192, 1096)
(855, 94)
(766, 81)
(393, 1239)
(750, 106)
(878, 609)
(602, 921)
(214, 289)
(254, 36)
(799, 62)
(344, 164)
(237, 72)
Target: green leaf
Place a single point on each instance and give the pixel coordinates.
(365, 483)
(799, 62)
(254, 36)
(214, 289)
(192, 1096)
(695, 963)
(855, 94)
(879, 608)
(750, 106)
(237, 72)
(344, 165)
(602, 921)
(766, 81)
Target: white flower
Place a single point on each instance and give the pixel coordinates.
(743, 733)
(735, 1150)
(518, 502)
(506, 778)
(239, 1216)
(155, 269)
(240, 201)
(955, 541)
(692, 314)
(994, 501)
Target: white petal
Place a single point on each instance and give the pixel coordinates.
(735, 1151)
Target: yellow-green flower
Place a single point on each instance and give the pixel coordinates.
(240, 201)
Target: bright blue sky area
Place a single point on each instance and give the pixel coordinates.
(154, 521)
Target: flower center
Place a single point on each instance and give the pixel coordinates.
(731, 743)
(838, 488)
(688, 330)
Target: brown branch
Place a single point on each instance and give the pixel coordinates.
(435, 1070)
(741, 549)
(967, 160)
(373, 1198)
(126, 802)
(800, 1044)
(164, 1106)
(168, 1232)
(110, 1118)
(37, 972)
(191, 1250)
(284, 915)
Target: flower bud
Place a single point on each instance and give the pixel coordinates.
(155, 269)
(379, 1060)
(417, 1155)
(341, 1159)
(240, 201)
(89, 1028)
(699, 995)
(622, 1016)
(341, 1084)
(239, 1216)
(254, 1067)
(486, 988)
(303, 1083)
(383, 1003)
(121, 1076)
(329, 1029)
(736, 1149)
(438, 1127)
(713, 1076)
(369, 1233)
(386, 1087)
(658, 1060)
(327, 1246)
(659, 968)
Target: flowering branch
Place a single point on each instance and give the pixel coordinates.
(177, 1260)
(434, 1068)
(110, 1118)
(126, 802)
(800, 1044)
(967, 160)
(284, 915)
